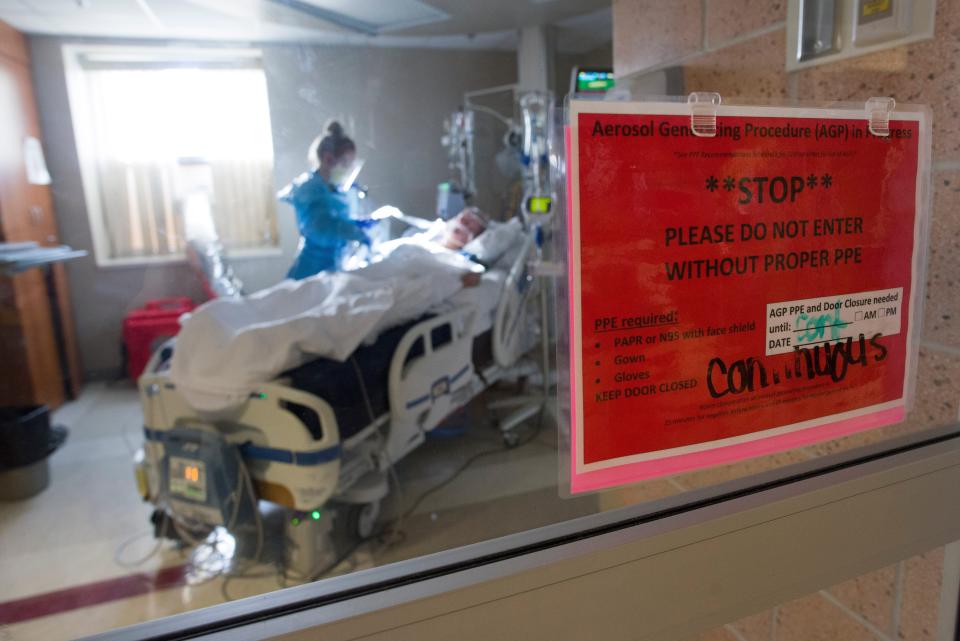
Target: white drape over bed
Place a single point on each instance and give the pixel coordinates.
(227, 346)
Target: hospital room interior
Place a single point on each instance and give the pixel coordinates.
(284, 283)
(197, 156)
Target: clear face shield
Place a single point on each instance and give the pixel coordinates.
(343, 175)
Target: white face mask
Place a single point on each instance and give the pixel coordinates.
(343, 175)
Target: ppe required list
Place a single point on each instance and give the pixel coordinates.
(723, 288)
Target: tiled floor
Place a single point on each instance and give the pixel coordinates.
(90, 525)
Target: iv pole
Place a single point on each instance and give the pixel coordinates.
(536, 211)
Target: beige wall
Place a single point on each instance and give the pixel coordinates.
(737, 48)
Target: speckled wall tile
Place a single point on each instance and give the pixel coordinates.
(938, 389)
(941, 320)
(647, 33)
(751, 69)
(813, 618)
(920, 604)
(936, 403)
(925, 72)
(717, 634)
(861, 439)
(872, 596)
(758, 627)
(728, 19)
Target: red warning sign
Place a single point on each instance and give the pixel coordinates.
(739, 294)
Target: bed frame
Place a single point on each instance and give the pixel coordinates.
(289, 438)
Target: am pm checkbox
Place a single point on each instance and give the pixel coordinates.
(857, 316)
(881, 312)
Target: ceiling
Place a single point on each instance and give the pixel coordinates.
(580, 25)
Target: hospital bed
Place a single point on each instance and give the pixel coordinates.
(330, 430)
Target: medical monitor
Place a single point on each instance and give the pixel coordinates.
(592, 80)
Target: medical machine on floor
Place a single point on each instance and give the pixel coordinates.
(327, 433)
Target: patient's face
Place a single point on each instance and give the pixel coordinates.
(461, 229)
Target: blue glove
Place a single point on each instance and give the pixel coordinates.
(366, 223)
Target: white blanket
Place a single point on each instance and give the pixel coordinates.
(227, 346)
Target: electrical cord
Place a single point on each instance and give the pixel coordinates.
(336, 562)
(118, 553)
(363, 388)
(389, 535)
(166, 524)
(243, 572)
(393, 530)
(492, 112)
(470, 461)
(185, 527)
(396, 534)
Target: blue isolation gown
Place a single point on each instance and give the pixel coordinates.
(324, 221)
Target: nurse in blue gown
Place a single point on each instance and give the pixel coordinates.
(325, 205)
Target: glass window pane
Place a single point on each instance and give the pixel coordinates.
(282, 286)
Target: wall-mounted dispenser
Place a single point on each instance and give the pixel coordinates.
(821, 31)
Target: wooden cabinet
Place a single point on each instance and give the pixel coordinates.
(38, 351)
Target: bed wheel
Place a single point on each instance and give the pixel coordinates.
(362, 520)
(511, 439)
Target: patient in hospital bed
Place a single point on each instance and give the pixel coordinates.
(462, 228)
(437, 237)
(228, 346)
(469, 233)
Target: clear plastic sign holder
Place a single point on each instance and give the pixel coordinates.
(685, 341)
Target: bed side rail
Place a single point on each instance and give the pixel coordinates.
(509, 323)
(289, 438)
(423, 388)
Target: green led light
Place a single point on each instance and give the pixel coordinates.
(316, 515)
(539, 204)
(295, 520)
(263, 394)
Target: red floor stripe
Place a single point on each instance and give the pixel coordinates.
(82, 596)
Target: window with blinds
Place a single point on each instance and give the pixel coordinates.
(171, 143)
